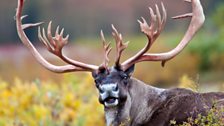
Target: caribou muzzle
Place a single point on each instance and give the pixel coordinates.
(109, 94)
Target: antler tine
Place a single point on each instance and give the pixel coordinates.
(49, 44)
(187, 14)
(152, 32)
(29, 25)
(55, 45)
(107, 50)
(25, 26)
(120, 45)
(183, 16)
(164, 16)
(161, 21)
(44, 40)
(195, 24)
(49, 35)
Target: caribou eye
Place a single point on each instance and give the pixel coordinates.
(124, 76)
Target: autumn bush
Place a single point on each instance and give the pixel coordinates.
(44, 103)
(71, 102)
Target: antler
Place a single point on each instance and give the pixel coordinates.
(120, 46)
(53, 44)
(107, 50)
(153, 31)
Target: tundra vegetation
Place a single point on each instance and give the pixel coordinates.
(72, 102)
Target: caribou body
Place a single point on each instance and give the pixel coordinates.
(144, 105)
(128, 101)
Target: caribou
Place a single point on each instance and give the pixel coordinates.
(126, 100)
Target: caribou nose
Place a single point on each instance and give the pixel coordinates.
(113, 87)
(109, 94)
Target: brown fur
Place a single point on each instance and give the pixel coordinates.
(150, 108)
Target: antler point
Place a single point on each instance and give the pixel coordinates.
(66, 38)
(62, 32)
(144, 21)
(163, 63)
(24, 16)
(112, 25)
(102, 36)
(57, 30)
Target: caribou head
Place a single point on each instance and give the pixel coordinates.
(123, 97)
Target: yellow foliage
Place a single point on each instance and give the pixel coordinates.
(186, 82)
(40, 111)
(72, 102)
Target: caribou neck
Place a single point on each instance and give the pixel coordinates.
(151, 98)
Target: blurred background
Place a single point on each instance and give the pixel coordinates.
(201, 62)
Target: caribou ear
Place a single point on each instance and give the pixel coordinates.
(130, 70)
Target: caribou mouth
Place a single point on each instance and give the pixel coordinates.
(111, 102)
